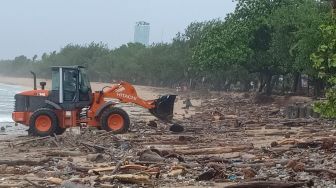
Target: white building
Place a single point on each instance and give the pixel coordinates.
(141, 33)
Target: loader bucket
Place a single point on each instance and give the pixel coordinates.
(164, 107)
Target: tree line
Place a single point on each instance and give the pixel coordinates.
(264, 45)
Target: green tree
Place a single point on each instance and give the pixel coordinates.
(325, 62)
(296, 36)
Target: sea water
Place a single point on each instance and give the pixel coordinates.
(7, 93)
(7, 127)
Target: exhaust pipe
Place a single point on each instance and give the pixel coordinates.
(34, 75)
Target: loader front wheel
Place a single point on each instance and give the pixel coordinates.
(115, 120)
(43, 122)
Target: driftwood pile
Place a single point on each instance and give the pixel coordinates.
(229, 141)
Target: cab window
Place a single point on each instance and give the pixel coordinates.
(55, 78)
(69, 84)
(83, 80)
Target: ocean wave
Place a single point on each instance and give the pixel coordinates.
(6, 120)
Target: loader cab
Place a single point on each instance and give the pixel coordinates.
(70, 87)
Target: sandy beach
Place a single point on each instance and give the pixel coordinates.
(145, 92)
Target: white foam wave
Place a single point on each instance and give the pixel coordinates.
(6, 119)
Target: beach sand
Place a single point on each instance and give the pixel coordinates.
(145, 92)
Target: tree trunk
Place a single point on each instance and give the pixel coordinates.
(218, 85)
(262, 84)
(275, 83)
(227, 85)
(247, 86)
(318, 88)
(283, 85)
(269, 85)
(308, 87)
(297, 84)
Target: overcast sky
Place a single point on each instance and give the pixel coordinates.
(31, 27)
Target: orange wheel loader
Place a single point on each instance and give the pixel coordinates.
(70, 102)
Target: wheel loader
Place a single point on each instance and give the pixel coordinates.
(71, 102)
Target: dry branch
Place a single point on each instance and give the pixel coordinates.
(320, 170)
(63, 153)
(216, 150)
(28, 162)
(30, 140)
(128, 178)
(267, 184)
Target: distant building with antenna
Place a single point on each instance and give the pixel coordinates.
(141, 33)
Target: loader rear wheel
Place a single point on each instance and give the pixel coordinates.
(115, 120)
(43, 122)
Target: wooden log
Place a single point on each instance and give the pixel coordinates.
(176, 172)
(292, 112)
(106, 185)
(215, 150)
(96, 147)
(117, 167)
(30, 140)
(127, 178)
(55, 142)
(122, 168)
(210, 159)
(321, 170)
(79, 168)
(11, 185)
(267, 184)
(279, 133)
(257, 165)
(133, 167)
(56, 181)
(33, 183)
(106, 169)
(28, 162)
(149, 163)
(63, 153)
(152, 171)
(288, 142)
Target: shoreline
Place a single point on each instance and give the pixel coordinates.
(145, 92)
(19, 81)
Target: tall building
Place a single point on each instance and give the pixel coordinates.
(141, 33)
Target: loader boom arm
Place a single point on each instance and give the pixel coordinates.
(126, 93)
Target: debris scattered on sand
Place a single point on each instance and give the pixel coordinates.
(230, 141)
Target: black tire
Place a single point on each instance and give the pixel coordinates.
(34, 131)
(59, 130)
(104, 120)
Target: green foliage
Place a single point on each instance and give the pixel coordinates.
(327, 108)
(325, 63)
(159, 65)
(325, 57)
(220, 47)
(259, 42)
(268, 37)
